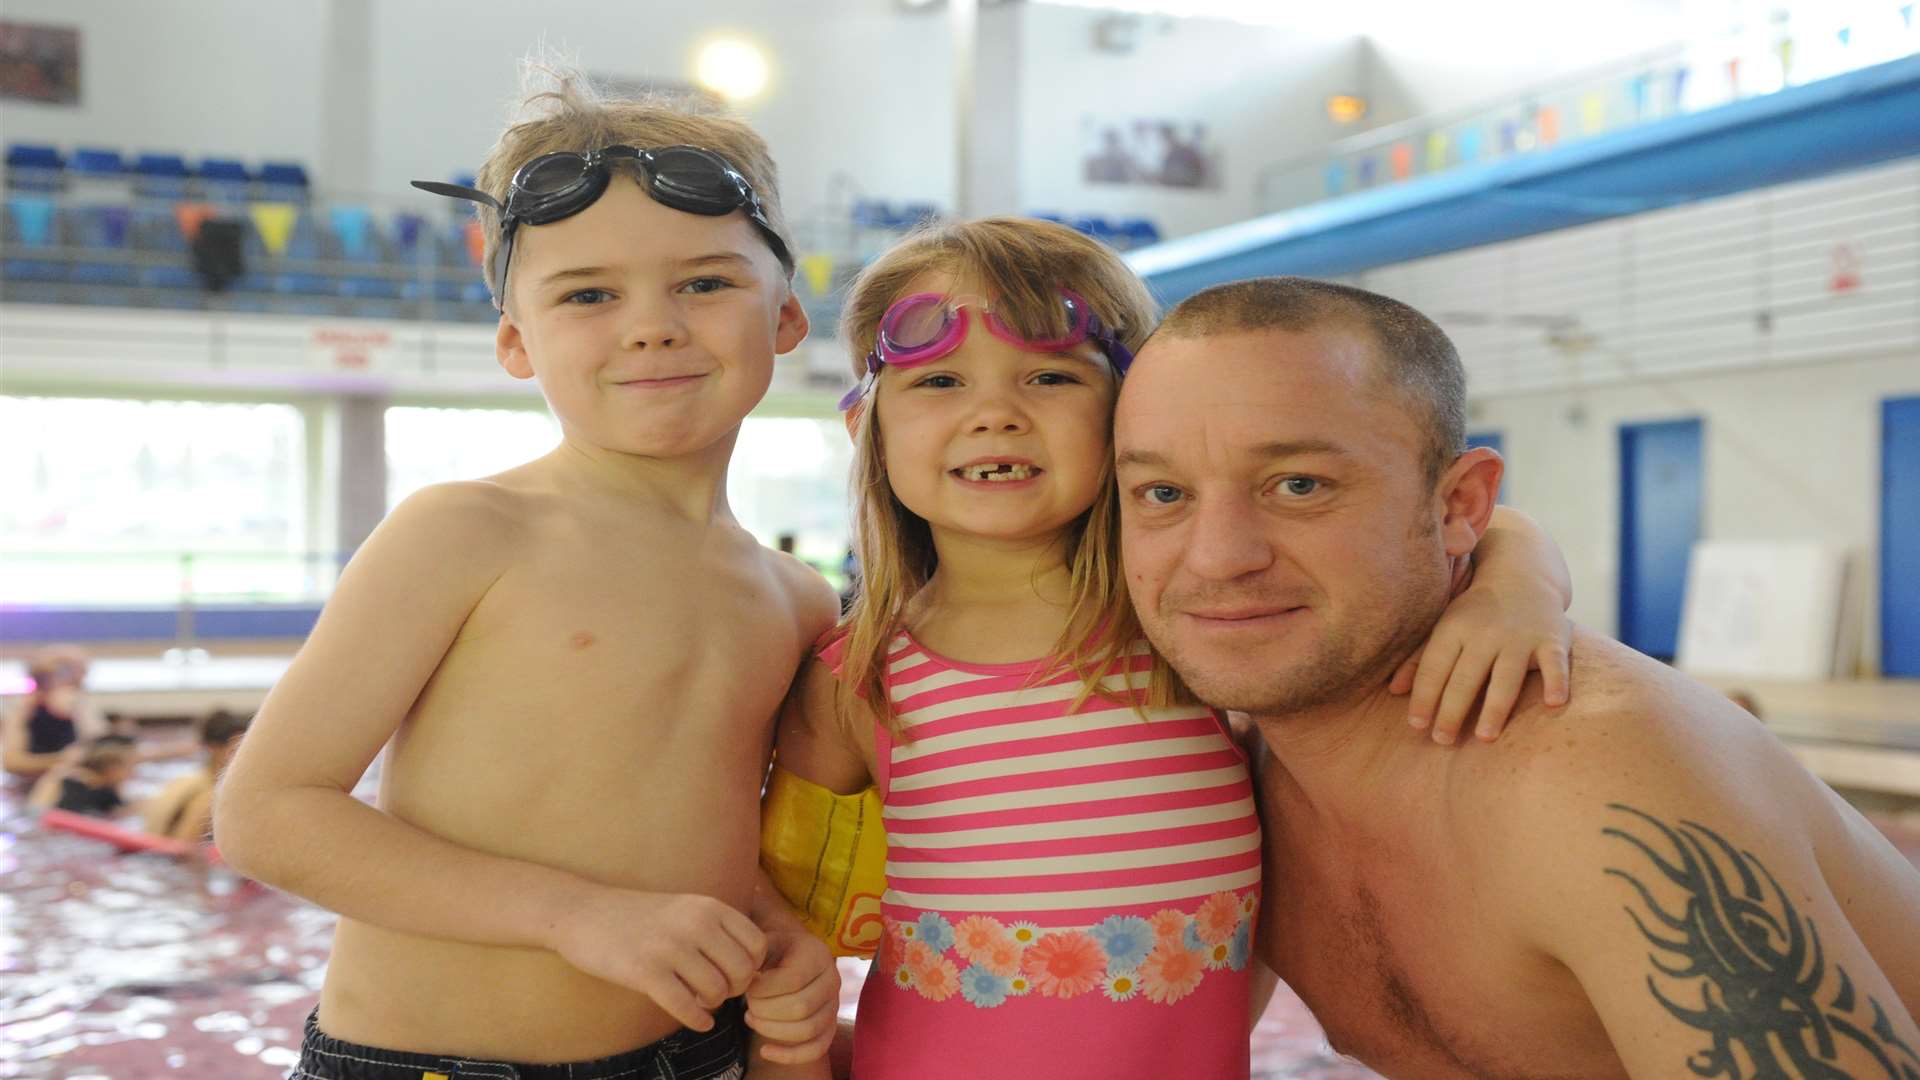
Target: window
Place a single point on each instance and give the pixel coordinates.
(106, 501)
(432, 446)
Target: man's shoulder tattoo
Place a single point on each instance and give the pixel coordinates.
(1738, 962)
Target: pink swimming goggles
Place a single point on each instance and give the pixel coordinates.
(924, 327)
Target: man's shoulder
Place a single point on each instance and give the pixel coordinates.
(1637, 738)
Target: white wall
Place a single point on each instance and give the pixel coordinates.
(1725, 310)
(230, 78)
(1260, 90)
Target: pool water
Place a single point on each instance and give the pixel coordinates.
(135, 966)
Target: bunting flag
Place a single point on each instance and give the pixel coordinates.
(408, 228)
(33, 218)
(1509, 136)
(350, 225)
(1402, 157)
(818, 270)
(116, 222)
(1640, 86)
(1437, 151)
(1733, 76)
(1368, 166)
(1680, 86)
(1846, 36)
(1469, 145)
(476, 242)
(1548, 126)
(274, 221)
(1336, 178)
(190, 216)
(1785, 51)
(1593, 114)
(1906, 15)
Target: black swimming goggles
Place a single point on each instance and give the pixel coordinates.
(556, 186)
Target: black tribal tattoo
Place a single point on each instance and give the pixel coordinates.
(1769, 1000)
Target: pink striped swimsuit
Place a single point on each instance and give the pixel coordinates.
(1068, 894)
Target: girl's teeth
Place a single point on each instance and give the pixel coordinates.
(997, 473)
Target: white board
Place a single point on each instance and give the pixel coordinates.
(1762, 609)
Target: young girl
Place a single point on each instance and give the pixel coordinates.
(1072, 849)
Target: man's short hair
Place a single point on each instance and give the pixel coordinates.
(1416, 358)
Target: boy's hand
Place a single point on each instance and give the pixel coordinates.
(794, 1001)
(688, 952)
(1490, 636)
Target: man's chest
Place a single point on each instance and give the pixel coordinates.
(1402, 969)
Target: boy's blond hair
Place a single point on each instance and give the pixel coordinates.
(1021, 265)
(569, 114)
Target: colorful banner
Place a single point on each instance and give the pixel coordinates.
(408, 228)
(1593, 114)
(33, 218)
(1402, 158)
(1469, 145)
(1336, 178)
(1436, 151)
(476, 243)
(190, 216)
(275, 224)
(350, 227)
(116, 223)
(817, 269)
(1548, 126)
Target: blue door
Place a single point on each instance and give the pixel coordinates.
(1492, 441)
(1659, 521)
(1900, 538)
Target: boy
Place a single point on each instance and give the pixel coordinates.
(577, 661)
(183, 810)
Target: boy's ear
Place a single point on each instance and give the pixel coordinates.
(792, 328)
(511, 349)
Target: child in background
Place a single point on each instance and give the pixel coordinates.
(1073, 853)
(91, 784)
(576, 662)
(183, 810)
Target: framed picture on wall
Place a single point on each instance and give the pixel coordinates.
(40, 63)
(1161, 152)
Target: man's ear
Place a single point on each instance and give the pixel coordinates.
(510, 349)
(1467, 492)
(792, 328)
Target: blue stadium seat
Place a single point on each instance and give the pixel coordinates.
(1138, 232)
(225, 180)
(283, 181)
(92, 273)
(96, 161)
(168, 277)
(161, 176)
(32, 167)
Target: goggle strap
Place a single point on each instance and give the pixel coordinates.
(459, 191)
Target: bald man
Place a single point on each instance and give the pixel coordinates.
(1643, 883)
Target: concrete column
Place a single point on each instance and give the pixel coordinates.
(360, 456)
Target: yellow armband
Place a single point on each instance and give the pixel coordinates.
(827, 854)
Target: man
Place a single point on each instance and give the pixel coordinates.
(1642, 883)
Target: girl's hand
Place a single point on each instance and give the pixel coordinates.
(1489, 637)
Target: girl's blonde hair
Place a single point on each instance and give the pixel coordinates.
(1021, 265)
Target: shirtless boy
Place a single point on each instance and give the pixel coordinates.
(575, 664)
